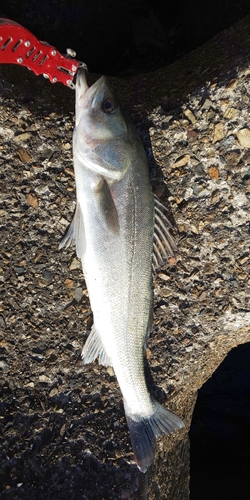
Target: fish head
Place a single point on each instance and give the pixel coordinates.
(99, 108)
(103, 138)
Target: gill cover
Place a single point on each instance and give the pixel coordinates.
(102, 139)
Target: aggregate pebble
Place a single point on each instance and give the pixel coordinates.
(244, 137)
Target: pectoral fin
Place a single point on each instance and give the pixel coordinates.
(75, 233)
(106, 205)
(164, 244)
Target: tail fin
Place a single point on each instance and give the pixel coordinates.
(144, 431)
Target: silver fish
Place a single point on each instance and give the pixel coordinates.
(117, 227)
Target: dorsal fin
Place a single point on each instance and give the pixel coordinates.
(163, 245)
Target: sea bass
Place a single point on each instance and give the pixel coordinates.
(118, 227)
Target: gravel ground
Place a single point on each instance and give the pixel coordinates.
(63, 431)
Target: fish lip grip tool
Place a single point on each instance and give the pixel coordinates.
(19, 46)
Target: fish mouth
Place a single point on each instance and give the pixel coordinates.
(81, 82)
(86, 95)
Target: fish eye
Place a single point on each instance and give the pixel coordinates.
(109, 105)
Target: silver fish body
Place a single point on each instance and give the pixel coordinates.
(114, 228)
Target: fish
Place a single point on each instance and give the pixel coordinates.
(121, 233)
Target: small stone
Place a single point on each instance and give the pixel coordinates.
(232, 156)
(110, 371)
(232, 84)
(200, 170)
(75, 264)
(210, 115)
(22, 137)
(39, 267)
(230, 113)
(44, 379)
(216, 195)
(182, 228)
(178, 199)
(67, 146)
(244, 258)
(2, 322)
(225, 102)
(38, 350)
(47, 275)
(63, 221)
(30, 384)
(242, 276)
(24, 155)
(148, 353)
(243, 136)
(52, 358)
(42, 282)
(38, 255)
(37, 357)
(3, 365)
(164, 277)
(194, 229)
(229, 140)
(189, 115)
(213, 172)
(69, 171)
(206, 105)
(192, 133)
(201, 225)
(78, 294)
(62, 430)
(166, 292)
(19, 270)
(69, 283)
(35, 166)
(172, 261)
(204, 193)
(32, 200)
(182, 161)
(218, 132)
(197, 189)
(53, 392)
(167, 119)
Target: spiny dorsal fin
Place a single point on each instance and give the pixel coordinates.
(163, 244)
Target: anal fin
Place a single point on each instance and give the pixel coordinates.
(93, 348)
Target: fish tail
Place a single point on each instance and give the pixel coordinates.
(144, 431)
